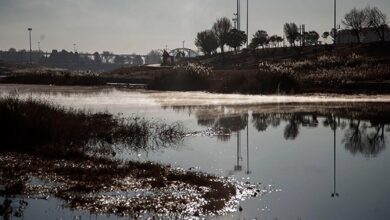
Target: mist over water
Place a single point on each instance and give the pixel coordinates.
(320, 154)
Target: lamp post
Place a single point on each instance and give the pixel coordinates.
(334, 22)
(248, 171)
(238, 15)
(247, 24)
(29, 33)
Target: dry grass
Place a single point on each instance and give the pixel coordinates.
(45, 129)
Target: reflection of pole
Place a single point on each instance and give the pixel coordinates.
(247, 146)
(334, 162)
(238, 166)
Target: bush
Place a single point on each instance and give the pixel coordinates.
(189, 77)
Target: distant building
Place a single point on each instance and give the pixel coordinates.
(367, 35)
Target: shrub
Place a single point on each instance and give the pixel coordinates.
(189, 77)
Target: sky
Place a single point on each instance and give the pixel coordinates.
(138, 26)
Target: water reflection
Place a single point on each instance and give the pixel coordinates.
(10, 208)
(363, 124)
(333, 124)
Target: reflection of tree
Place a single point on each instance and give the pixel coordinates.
(365, 131)
(358, 140)
(291, 131)
(206, 122)
(233, 123)
(376, 139)
(261, 121)
(353, 137)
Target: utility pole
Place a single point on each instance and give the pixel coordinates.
(74, 47)
(238, 15)
(235, 21)
(247, 24)
(39, 46)
(334, 24)
(29, 33)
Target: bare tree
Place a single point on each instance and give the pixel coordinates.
(221, 29)
(376, 19)
(355, 20)
(291, 32)
(153, 57)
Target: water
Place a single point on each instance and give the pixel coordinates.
(327, 154)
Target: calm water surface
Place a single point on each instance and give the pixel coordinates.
(327, 154)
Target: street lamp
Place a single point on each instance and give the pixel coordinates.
(334, 24)
(247, 24)
(29, 32)
(238, 15)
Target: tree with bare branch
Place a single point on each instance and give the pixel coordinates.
(377, 20)
(355, 20)
(221, 30)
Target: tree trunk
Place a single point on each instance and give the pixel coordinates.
(357, 33)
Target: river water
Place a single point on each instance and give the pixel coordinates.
(326, 154)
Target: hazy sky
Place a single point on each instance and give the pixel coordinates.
(127, 26)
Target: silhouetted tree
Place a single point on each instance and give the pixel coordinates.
(311, 37)
(206, 41)
(236, 38)
(291, 32)
(107, 56)
(153, 57)
(272, 40)
(260, 38)
(96, 58)
(221, 29)
(325, 35)
(279, 40)
(355, 20)
(119, 60)
(138, 61)
(376, 19)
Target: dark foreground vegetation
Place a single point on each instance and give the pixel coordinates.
(44, 129)
(72, 152)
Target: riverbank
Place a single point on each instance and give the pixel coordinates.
(342, 69)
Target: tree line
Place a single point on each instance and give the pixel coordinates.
(224, 34)
(68, 59)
